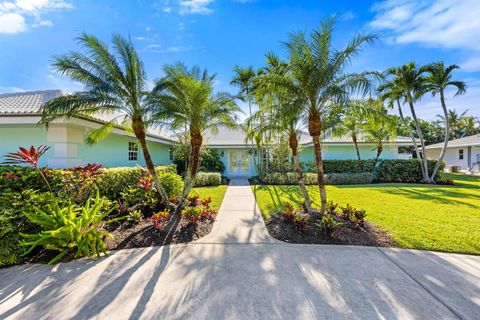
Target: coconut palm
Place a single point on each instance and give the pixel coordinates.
(188, 103)
(116, 85)
(439, 78)
(319, 78)
(410, 82)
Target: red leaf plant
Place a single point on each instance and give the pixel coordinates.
(29, 157)
(86, 173)
(160, 219)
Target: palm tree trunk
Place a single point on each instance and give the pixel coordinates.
(315, 130)
(140, 134)
(422, 142)
(196, 140)
(379, 151)
(445, 142)
(410, 132)
(293, 141)
(354, 138)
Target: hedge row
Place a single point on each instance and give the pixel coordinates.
(311, 178)
(204, 179)
(401, 171)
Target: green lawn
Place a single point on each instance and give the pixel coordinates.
(442, 218)
(216, 193)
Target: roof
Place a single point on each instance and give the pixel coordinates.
(29, 104)
(469, 141)
(237, 137)
(21, 103)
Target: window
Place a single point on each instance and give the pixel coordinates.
(170, 153)
(460, 154)
(132, 151)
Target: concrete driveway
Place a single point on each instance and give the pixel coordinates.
(239, 272)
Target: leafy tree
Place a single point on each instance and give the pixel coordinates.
(440, 78)
(352, 123)
(116, 85)
(188, 103)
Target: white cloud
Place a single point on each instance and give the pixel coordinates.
(349, 15)
(184, 6)
(448, 24)
(11, 89)
(15, 17)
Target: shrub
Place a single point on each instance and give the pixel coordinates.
(172, 183)
(192, 214)
(288, 211)
(329, 224)
(332, 207)
(296, 217)
(160, 219)
(135, 216)
(203, 179)
(349, 178)
(198, 209)
(359, 217)
(348, 212)
(290, 178)
(13, 222)
(406, 171)
(64, 228)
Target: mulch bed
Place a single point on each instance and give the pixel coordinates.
(368, 235)
(144, 234)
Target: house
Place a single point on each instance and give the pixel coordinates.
(237, 152)
(464, 153)
(19, 115)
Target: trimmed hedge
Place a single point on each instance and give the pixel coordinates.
(290, 178)
(383, 171)
(203, 179)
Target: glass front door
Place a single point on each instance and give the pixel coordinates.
(238, 162)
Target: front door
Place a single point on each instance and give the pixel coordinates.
(239, 162)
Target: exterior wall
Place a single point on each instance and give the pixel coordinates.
(68, 148)
(452, 159)
(347, 152)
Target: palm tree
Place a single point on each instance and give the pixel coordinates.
(391, 93)
(439, 78)
(188, 103)
(116, 85)
(411, 84)
(455, 122)
(281, 112)
(319, 78)
(244, 79)
(379, 127)
(352, 124)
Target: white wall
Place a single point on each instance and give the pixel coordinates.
(451, 157)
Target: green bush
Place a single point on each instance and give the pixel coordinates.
(64, 228)
(112, 182)
(172, 183)
(208, 179)
(407, 171)
(311, 178)
(13, 221)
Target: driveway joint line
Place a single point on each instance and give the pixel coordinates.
(453, 311)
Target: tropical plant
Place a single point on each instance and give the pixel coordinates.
(116, 85)
(379, 126)
(280, 112)
(318, 77)
(244, 79)
(65, 228)
(135, 216)
(188, 103)
(329, 224)
(86, 174)
(409, 83)
(29, 157)
(440, 78)
(352, 123)
(160, 219)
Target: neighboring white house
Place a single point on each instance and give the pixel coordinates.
(463, 153)
(19, 115)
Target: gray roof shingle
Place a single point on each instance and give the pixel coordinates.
(462, 142)
(26, 102)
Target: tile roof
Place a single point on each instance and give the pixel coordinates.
(236, 137)
(26, 102)
(462, 142)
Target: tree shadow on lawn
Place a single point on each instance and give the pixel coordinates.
(264, 281)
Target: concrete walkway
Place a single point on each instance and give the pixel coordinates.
(239, 272)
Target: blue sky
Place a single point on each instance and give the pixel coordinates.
(218, 34)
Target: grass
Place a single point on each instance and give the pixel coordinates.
(216, 193)
(428, 217)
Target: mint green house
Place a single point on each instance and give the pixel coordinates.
(19, 115)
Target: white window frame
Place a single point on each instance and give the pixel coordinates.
(132, 151)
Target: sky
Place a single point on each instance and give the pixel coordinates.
(219, 34)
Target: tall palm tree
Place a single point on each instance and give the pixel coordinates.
(116, 85)
(455, 122)
(352, 123)
(391, 93)
(319, 78)
(244, 80)
(439, 78)
(281, 113)
(410, 81)
(188, 103)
